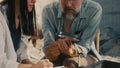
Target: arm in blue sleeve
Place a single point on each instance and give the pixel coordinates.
(47, 26)
(87, 38)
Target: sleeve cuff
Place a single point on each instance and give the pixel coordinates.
(84, 49)
(24, 56)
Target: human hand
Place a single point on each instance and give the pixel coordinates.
(64, 45)
(43, 64)
(67, 47)
(52, 52)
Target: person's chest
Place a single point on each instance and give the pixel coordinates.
(74, 26)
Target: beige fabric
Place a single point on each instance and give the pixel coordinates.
(73, 62)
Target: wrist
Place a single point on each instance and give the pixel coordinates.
(25, 66)
(27, 61)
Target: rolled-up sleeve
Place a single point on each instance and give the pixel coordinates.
(93, 20)
(22, 52)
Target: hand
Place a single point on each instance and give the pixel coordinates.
(64, 45)
(43, 64)
(67, 47)
(73, 52)
(52, 52)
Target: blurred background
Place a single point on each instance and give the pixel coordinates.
(110, 27)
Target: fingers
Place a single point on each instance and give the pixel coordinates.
(62, 45)
(65, 44)
(67, 47)
(67, 41)
(49, 64)
(45, 64)
(46, 60)
(52, 52)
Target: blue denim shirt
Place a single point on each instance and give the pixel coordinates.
(84, 25)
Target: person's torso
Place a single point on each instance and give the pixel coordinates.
(79, 24)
